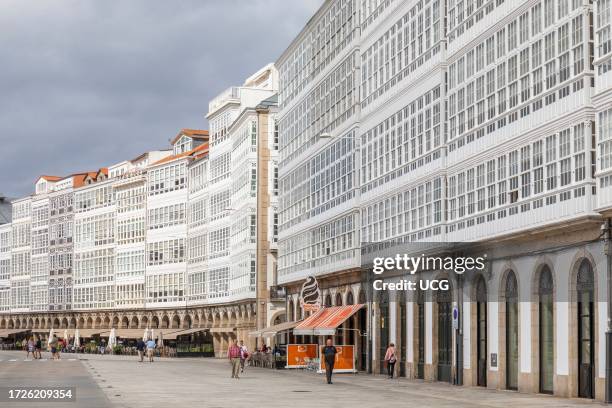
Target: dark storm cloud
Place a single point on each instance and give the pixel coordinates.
(88, 83)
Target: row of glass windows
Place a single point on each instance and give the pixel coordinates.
(60, 261)
(547, 164)
(405, 136)
(60, 232)
(40, 216)
(95, 266)
(20, 294)
(93, 198)
(20, 263)
(166, 252)
(94, 297)
(538, 68)
(198, 176)
(60, 204)
(330, 34)
(130, 264)
(22, 209)
(130, 231)
(407, 45)
(96, 230)
(166, 216)
(323, 181)
(318, 245)
(168, 178)
(129, 294)
(130, 198)
(331, 103)
(40, 241)
(403, 213)
(5, 241)
(168, 287)
(21, 234)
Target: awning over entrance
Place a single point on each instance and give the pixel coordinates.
(9, 332)
(174, 335)
(326, 320)
(222, 329)
(125, 333)
(86, 332)
(133, 334)
(272, 330)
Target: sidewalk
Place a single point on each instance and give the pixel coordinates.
(207, 383)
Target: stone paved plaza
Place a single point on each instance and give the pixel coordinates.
(120, 381)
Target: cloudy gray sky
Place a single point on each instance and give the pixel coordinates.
(88, 83)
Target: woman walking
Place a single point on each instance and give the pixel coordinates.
(30, 347)
(38, 348)
(390, 359)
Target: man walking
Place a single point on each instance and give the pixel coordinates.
(233, 354)
(140, 346)
(329, 352)
(150, 349)
(244, 355)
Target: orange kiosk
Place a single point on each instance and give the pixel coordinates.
(345, 360)
(298, 355)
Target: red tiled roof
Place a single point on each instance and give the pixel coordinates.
(78, 180)
(50, 178)
(196, 152)
(193, 133)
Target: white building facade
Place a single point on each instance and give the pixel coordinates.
(5, 267)
(455, 121)
(167, 240)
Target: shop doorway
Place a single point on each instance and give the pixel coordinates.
(362, 318)
(481, 331)
(384, 330)
(420, 373)
(586, 344)
(546, 346)
(511, 332)
(445, 336)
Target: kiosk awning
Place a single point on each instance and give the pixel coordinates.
(326, 320)
(272, 330)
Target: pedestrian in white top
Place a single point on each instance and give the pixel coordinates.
(244, 355)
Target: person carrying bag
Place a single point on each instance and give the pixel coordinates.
(390, 360)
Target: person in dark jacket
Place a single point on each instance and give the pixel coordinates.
(140, 346)
(329, 353)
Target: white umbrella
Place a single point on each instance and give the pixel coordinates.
(112, 339)
(77, 340)
(145, 336)
(66, 335)
(50, 336)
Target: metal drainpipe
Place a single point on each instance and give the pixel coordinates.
(370, 318)
(459, 367)
(608, 253)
